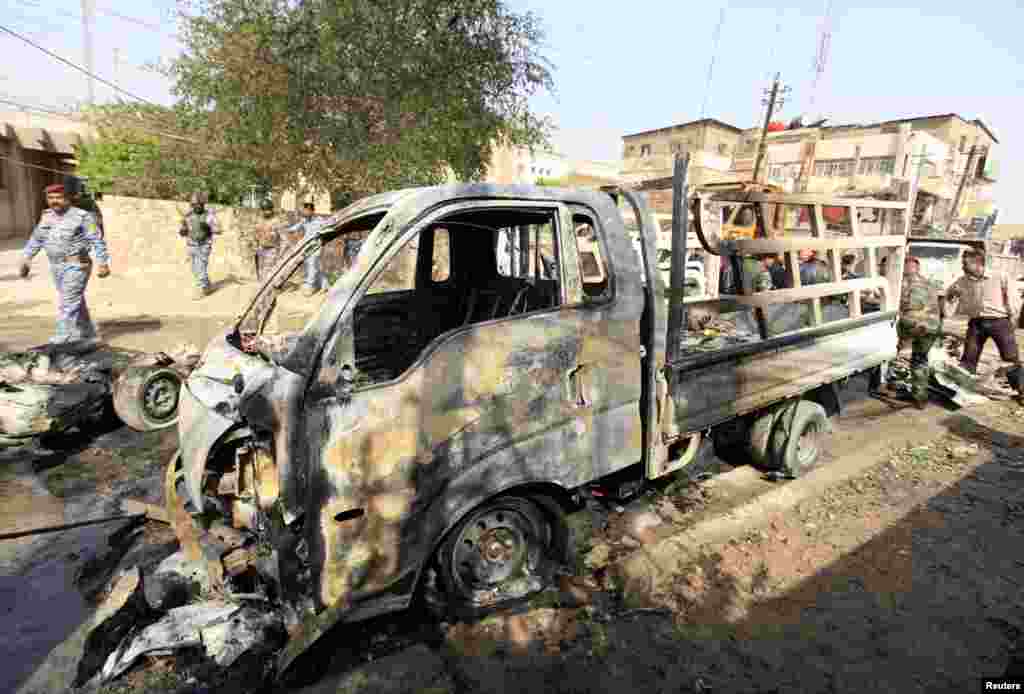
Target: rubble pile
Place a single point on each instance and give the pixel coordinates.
(49, 369)
(170, 610)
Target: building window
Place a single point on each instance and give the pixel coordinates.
(723, 149)
(877, 166)
(833, 168)
(645, 150)
(533, 169)
(963, 144)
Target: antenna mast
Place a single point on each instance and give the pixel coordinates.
(821, 56)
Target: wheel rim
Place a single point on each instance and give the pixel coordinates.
(807, 444)
(160, 397)
(498, 547)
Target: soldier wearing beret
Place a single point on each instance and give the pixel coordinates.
(68, 234)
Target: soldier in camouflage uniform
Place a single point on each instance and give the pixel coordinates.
(269, 240)
(67, 234)
(198, 227)
(918, 327)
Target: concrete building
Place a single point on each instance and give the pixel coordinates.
(522, 165)
(829, 159)
(34, 149)
(711, 143)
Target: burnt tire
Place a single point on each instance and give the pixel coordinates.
(796, 439)
(759, 438)
(146, 397)
(501, 553)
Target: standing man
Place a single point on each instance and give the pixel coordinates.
(990, 305)
(67, 234)
(310, 227)
(268, 240)
(918, 327)
(198, 227)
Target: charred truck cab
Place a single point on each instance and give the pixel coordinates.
(425, 424)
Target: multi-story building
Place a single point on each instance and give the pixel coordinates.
(830, 159)
(711, 143)
(827, 159)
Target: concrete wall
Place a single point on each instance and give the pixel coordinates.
(143, 233)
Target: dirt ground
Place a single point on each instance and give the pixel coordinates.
(905, 578)
(143, 308)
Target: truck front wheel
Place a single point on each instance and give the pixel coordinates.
(499, 553)
(796, 441)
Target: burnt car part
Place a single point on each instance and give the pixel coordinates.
(146, 397)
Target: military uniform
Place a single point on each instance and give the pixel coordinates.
(920, 328)
(198, 228)
(67, 239)
(269, 243)
(313, 277)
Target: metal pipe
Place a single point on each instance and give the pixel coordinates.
(68, 526)
(677, 276)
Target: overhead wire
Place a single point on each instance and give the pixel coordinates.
(75, 66)
(714, 55)
(116, 15)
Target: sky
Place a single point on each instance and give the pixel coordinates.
(635, 66)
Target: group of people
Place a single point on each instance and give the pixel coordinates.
(72, 236)
(988, 300)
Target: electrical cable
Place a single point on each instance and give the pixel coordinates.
(75, 66)
(714, 55)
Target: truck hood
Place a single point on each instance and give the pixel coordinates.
(208, 406)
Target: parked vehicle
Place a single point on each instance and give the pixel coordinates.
(428, 424)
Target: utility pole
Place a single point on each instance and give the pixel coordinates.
(953, 213)
(87, 18)
(772, 101)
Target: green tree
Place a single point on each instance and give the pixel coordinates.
(361, 95)
(149, 151)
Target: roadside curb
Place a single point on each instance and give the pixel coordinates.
(648, 568)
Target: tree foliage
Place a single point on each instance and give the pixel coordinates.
(360, 95)
(149, 151)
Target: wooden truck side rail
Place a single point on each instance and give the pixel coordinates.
(889, 287)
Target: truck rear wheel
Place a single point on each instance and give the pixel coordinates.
(759, 439)
(796, 440)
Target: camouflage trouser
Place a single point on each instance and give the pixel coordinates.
(311, 268)
(199, 253)
(920, 373)
(73, 320)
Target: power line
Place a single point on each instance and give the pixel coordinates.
(116, 15)
(18, 162)
(711, 65)
(76, 67)
(37, 108)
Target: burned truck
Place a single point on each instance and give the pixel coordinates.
(425, 426)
